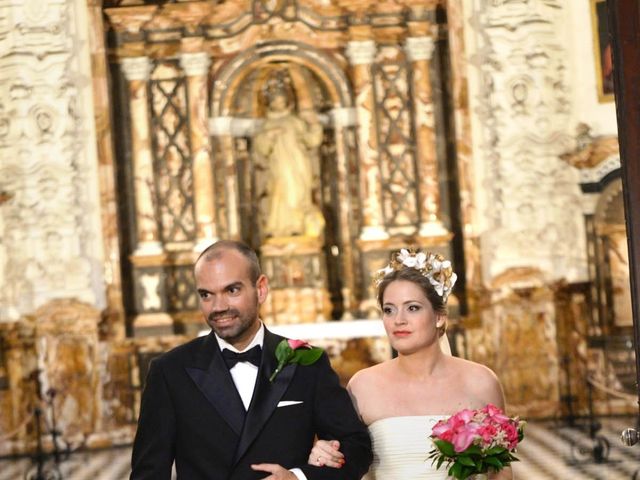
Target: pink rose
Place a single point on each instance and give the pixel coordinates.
(465, 415)
(296, 344)
(443, 431)
(511, 431)
(465, 437)
(487, 432)
(495, 414)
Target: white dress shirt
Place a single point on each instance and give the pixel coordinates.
(244, 375)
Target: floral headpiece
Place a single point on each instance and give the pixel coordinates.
(431, 265)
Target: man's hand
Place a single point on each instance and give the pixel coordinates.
(277, 472)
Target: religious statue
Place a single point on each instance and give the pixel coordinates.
(288, 142)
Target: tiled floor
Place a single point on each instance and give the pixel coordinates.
(545, 454)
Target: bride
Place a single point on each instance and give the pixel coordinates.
(401, 399)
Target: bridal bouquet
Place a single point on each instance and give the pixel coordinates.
(476, 441)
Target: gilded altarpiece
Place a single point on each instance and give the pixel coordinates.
(193, 86)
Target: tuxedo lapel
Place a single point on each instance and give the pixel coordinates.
(211, 375)
(266, 394)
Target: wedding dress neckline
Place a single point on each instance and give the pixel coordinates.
(401, 447)
(407, 417)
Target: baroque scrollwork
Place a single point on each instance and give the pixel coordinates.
(43, 138)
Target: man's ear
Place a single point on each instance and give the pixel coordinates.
(262, 285)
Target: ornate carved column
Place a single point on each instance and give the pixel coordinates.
(361, 54)
(50, 225)
(344, 119)
(224, 129)
(196, 66)
(419, 50)
(521, 108)
(148, 256)
(136, 70)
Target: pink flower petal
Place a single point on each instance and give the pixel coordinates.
(464, 439)
(295, 344)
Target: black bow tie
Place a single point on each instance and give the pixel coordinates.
(252, 355)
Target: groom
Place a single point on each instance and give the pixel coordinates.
(209, 406)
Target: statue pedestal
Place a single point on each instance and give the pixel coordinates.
(298, 282)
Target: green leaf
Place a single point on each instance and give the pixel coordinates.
(495, 451)
(283, 352)
(445, 447)
(467, 472)
(494, 462)
(440, 462)
(465, 460)
(456, 471)
(309, 356)
(473, 450)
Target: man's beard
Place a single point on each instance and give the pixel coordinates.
(242, 323)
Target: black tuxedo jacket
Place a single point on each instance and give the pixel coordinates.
(192, 413)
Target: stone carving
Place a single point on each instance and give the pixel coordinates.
(530, 188)
(288, 141)
(49, 226)
(149, 285)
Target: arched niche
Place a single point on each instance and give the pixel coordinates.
(613, 257)
(320, 84)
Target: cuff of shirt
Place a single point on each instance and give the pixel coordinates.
(298, 473)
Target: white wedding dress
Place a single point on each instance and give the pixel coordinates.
(401, 447)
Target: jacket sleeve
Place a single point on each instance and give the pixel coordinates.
(154, 444)
(336, 418)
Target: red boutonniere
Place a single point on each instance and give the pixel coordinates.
(295, 351)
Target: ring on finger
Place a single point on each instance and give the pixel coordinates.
(319, 457)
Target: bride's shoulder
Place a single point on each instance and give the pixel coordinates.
(478, 379)
(466, 369)
(369, 377)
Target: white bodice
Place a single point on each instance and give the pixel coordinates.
(401, 447)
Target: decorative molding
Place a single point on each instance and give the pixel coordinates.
(149, 249)
(343, 117)
(136, 68)
(195, 64)
(521, 111)
(361, 52)
(419, 48)
(370, 234)
(597, 173)
(432, 229)
(50, 230)
(595, 157)
(233, 126)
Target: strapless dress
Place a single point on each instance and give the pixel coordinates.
(401, 447)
